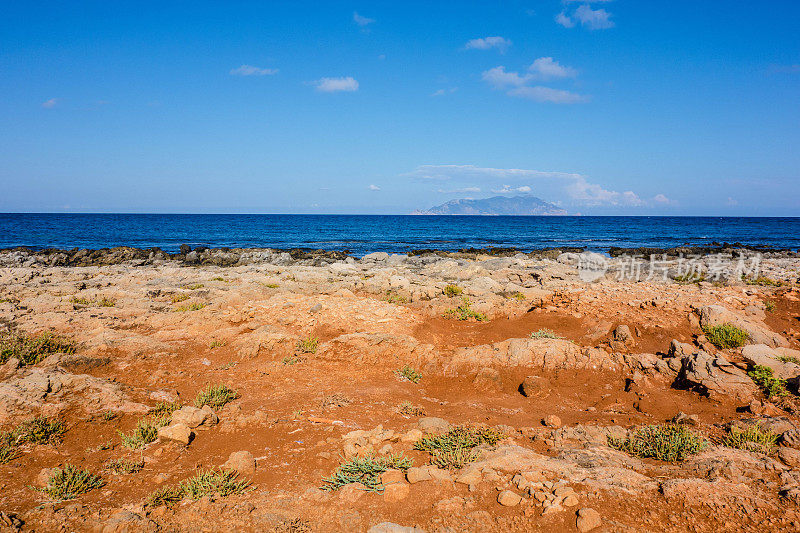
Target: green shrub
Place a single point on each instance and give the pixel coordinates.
(455, 448)
(217, 344)
(39, 430)
(365, 470)
(752, 438)
(788, 359)
(206, 483)
(145, 432)
(394, 298)
(308, 345)
(690, 277)
(465, 312)
(70, 482)
(545, 333)
(665, 443)
(107, 302)
(409, 409)
(769, 305)
(762, 281)
(271, 285)
(726, 336)
(765, 378)
(409, 374)
(8, 447)
(30, 349)
(215, 396)
(176, 298)
(125, 466)
(452, 290)
(190, 307)
(193, 286)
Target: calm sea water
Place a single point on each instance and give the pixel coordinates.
(362, 234)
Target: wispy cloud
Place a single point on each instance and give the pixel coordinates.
(459, 191)
(333, 85)
(250, 70)
(487, 43)
(543, 68)
(593, 19)
(573, 187)
(444, 92)
(547, 68)
(374, 188)
(49, 104)
(548, 94)
(362, 21)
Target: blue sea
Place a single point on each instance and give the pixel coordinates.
(362, 234)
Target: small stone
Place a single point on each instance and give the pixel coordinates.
(243, 462)
(393, 476)
(508, 498)
(552, 508)
(535, 387)
(570, 501)
(789, 456)
(416, 474)
(177, 433)
(190, 416)
(391, 527)
(552, 421)
(395, 492)
(588, 519)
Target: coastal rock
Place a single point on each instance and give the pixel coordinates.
(763, 355)
(715, 375)
(717, 315)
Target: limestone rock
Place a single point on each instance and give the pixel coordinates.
(763, 355)
(588, 519)
(176, 432)
(715, 375)
(189, 416)
(717, 315)
(552, 421)
(508, 498)
(535, 387)
(243, 462)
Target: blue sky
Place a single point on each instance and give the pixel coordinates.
(603, 107)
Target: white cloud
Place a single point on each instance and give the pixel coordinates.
(250, 70)
(731, 201)
(546, 68)
(443, 92)
(332, 85)
(487, 43)
(594, 19)
(553, 186)
(362, 21)
(661, 199)
(499, 77)
(374, 188)
(459, 191)
(548, 94)
(564, 20)
(49, 104)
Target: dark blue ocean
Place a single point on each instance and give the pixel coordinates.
(361, 234)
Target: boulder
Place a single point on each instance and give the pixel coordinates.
(763, 355)
(714, 375)
(508, 498)
(190, 416)
(588, 519)
(243, 462)
(535, 387)
(180, 433)
(717, 315)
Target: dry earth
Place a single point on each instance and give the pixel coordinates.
(630, 354)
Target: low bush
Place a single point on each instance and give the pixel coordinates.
(726, 336)
(215, 396)
(455, 448)
(670, 442)
(765, 378)
(409, 374)
(8, 447)
(545, 333)
(190, 307)
(407, 408)
(125, 466)
(465, 312)
(752, 438)
(452, 290)
(70, 482)
(39, 430)
(215, 482)
(308, 345)
(365, 470)
(30, 349)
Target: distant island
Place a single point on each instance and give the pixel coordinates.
(496, 205)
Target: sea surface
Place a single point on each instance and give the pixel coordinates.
(362, 234)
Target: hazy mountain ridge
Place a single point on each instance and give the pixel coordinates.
(496, 205)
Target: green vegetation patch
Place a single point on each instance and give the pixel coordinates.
(455, 448)
(394, 298)
(271, 285)
(70, 482)
(690, 277)
(408, 374)
(308, 345)
(176, 298)
(217, 344)
(465, 312)
(765, 378)
(788, 359)
(545, 333)
(30, 349)
(193, 286)
(752, 438)
(190, 307)
(670, 442)
(125, 466)
(763, 281)
(366, 470)
(215, 396)
(769, 305)
(409, 409)
(39, 430)
(452, 290)
(8, 447)
(726, 336)
(205, 483)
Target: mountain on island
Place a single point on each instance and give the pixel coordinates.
(496, 205)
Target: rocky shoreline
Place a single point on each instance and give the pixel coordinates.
(307, 390)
